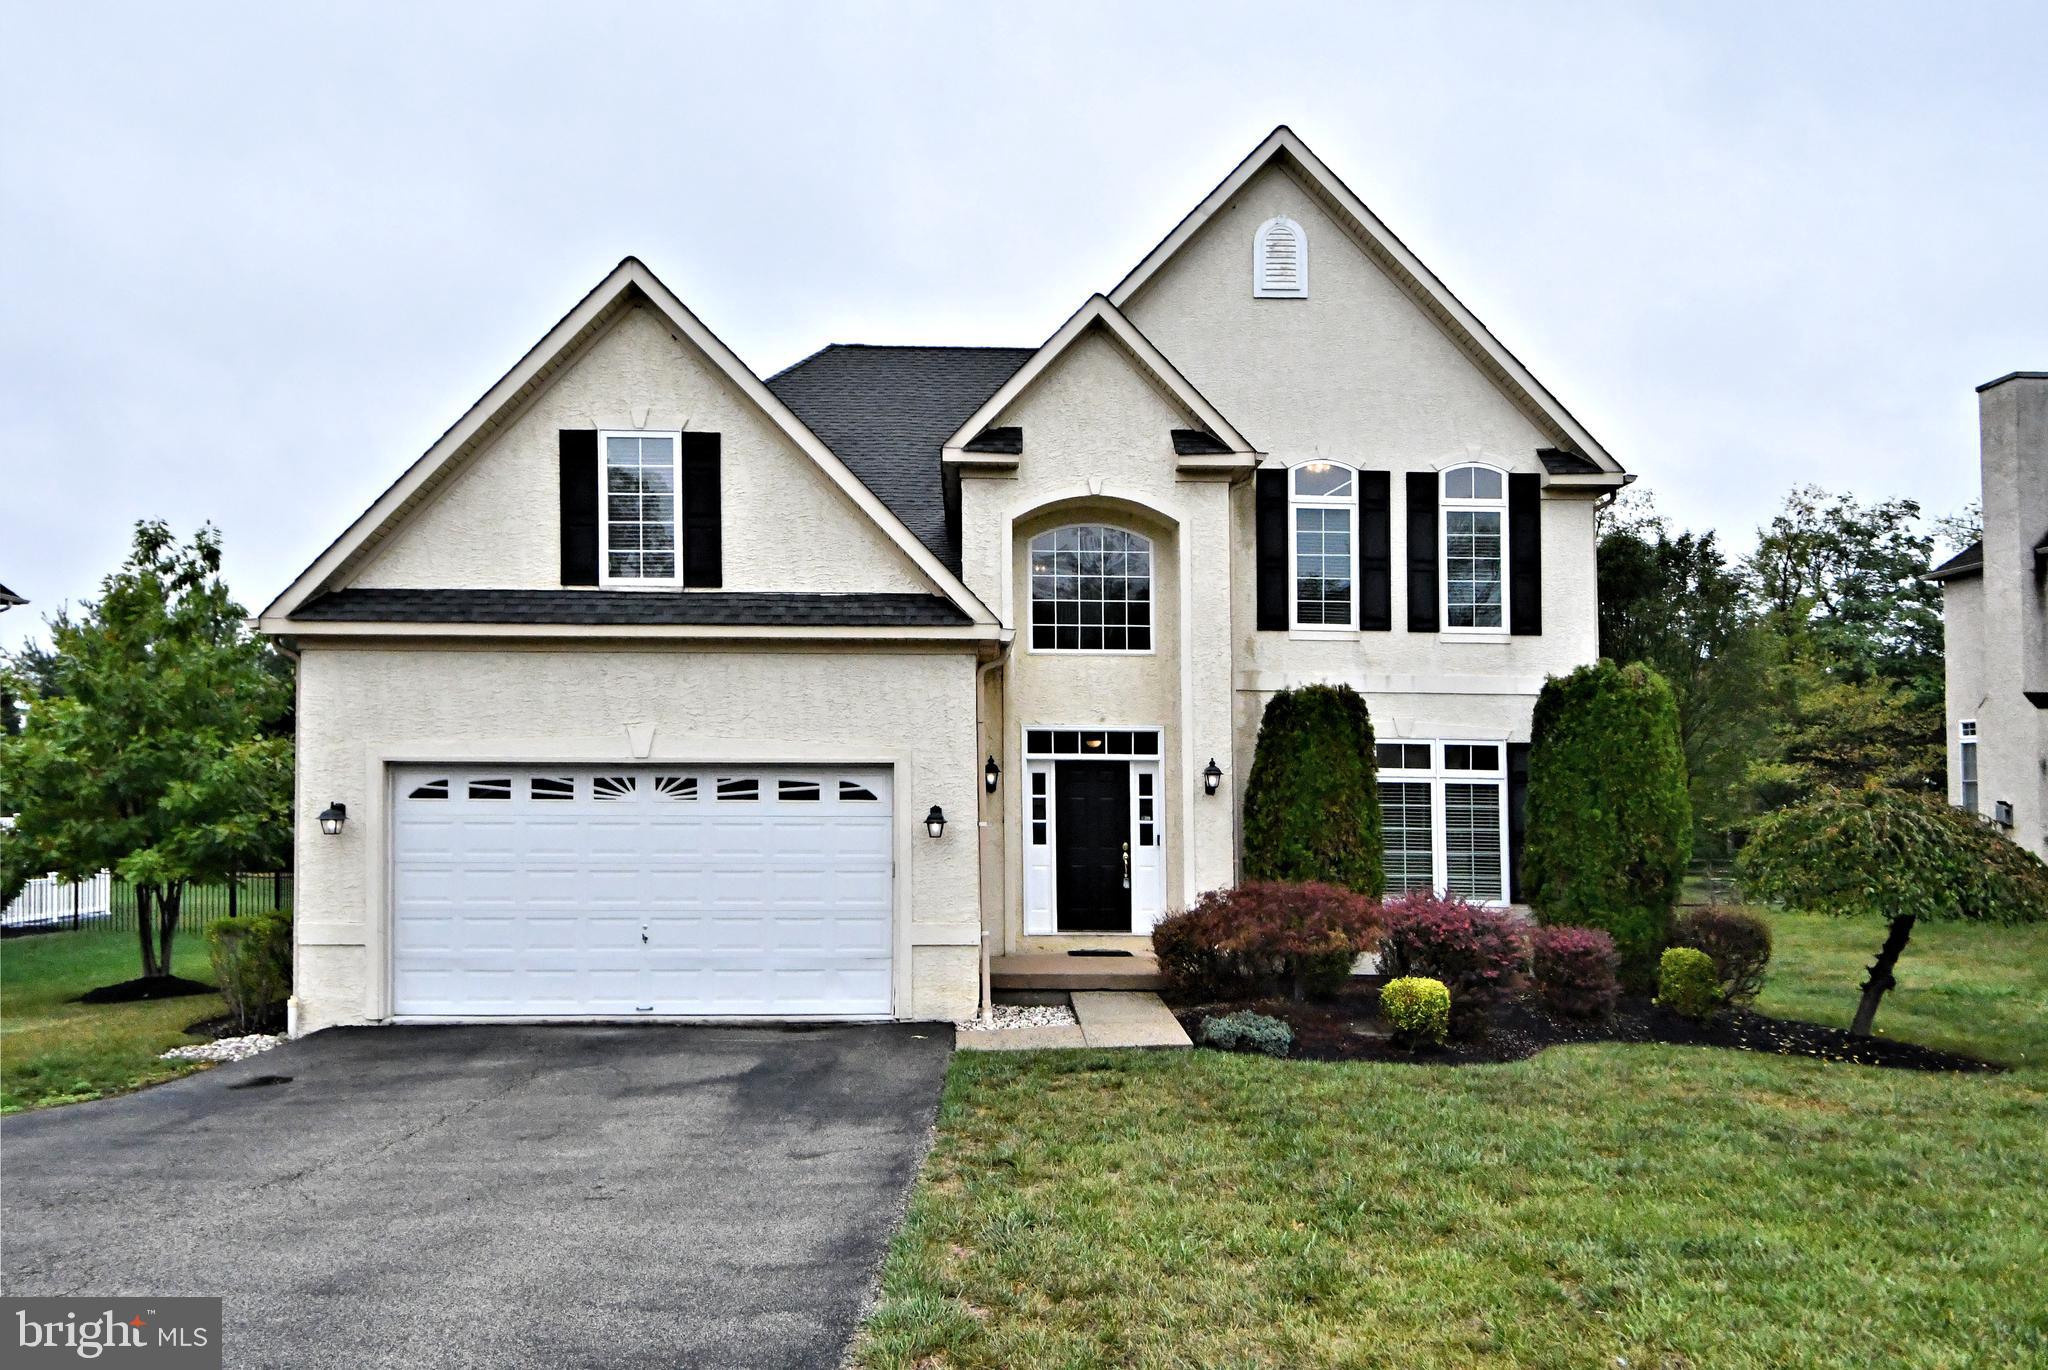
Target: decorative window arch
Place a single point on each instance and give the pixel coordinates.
(1322, 501)
(1091, 590)
(1280, 261)
(1475, 549)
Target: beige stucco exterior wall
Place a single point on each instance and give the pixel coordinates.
(1996, 621)
(1097, 448)
(362, 708)
(1359, 373)
(496, 524)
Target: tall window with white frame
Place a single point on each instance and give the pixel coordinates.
(1443, 814)
(639, 529)
(1324, 500)
(1475, 549)
(1091, 590)
(1966, 763)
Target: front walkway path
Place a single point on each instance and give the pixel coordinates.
(1107, 1018)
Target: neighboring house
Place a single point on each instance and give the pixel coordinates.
(647, 689)
(8, 599)
(1995, 613)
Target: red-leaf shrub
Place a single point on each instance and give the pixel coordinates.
(1576, 971)
(1479, 953)
(1738, 942)
(1248, 942)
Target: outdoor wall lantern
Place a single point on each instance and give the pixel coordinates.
(990, 774)
(935, 822)
(332, 817)
(1212, 777)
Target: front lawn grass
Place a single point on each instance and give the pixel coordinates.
(1593, 1206)
(1981, 991)
(56, 1051)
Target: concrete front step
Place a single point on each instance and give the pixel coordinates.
(1118, 1019)
(1059, 971)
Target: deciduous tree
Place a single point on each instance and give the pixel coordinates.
(150, 749)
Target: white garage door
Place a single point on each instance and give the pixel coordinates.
(688, 890)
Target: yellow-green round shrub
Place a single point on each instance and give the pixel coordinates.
(1688, 983)
(1417, 1008)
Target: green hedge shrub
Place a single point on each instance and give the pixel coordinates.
(1417, 1008)
(1248, 1031)
(1253, 940)
(1738, 941)
(1609, 820)
(1312, 805)
(252, 961)
(1687, 983)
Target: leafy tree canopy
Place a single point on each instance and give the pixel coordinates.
(148, 747)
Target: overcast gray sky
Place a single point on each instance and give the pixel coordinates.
(253, 259)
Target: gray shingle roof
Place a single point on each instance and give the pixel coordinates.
(1003, 441)
(1559, 462)
(714, 608)
(886, 412)
(1970, 559)
(8, 598)
(1193, 442)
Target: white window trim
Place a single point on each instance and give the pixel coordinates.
(1031, 647)
(1966, 744)
(604, 509)
(1297, 502)
(1445, 506)
(1437, 776)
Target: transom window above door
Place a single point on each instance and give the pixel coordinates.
(1324, 499)
(1475, 549)
(1091, 590)
(639, 529)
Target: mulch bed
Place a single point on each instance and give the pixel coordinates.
(1347, 1028)
(145, 987)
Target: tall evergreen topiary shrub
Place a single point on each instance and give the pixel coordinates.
(1609, 822)
(1312, 805)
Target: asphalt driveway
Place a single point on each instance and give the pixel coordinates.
(494, 1196)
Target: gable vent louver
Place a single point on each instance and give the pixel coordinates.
(1280, 261)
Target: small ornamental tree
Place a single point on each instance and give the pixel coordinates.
(1891, 854)
(1609, 822)
(152, 752)
(1312, 805)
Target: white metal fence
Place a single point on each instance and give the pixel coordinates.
(53, 902)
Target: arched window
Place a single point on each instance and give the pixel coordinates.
(1280, 261)
(1475, 549)
(1091, 590)
(1323, 497)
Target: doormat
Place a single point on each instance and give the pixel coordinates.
(1097, 951)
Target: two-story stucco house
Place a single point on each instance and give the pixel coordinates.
(656, 688)
(1995, 621)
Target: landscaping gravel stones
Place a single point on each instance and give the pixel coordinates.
(226, 1049)
(1006, 1016)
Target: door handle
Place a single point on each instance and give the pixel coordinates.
(643, 934)
(1127, 865)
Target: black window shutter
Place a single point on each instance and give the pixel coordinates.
(1270, 530)
(1422, 562)
(1518, 803)
(579, 506)
(1375, 551)
(703, 540)
(1525, 555)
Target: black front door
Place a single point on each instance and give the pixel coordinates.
(1092, 809)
